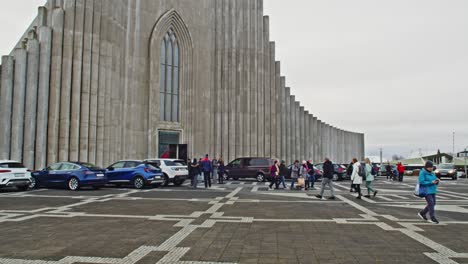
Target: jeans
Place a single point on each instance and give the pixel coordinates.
(282, 180)
(220, 177)
(430, 208)
(293, 180)
(400, 176)
(369, 187)
(311, 180)
(274, 181)
(215, 174)
(195, 181)
(329, 182)
(207, 178)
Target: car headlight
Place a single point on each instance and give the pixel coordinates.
(437, 171)
(451, 171)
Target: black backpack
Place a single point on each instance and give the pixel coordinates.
(362, 171)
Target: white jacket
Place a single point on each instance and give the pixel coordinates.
(355, 175)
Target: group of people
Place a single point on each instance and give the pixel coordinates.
(395, 174)
(208, 169)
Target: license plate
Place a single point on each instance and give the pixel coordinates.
(19, 175)
(100, 175)
(443, 173)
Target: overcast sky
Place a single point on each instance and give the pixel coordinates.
(396, 70)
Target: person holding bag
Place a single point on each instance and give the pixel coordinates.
(274, 175)
(428, 183)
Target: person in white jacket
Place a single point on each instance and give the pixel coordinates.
(356, 178)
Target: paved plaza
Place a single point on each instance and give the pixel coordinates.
(239, 222)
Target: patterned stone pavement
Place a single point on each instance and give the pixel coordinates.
(239, 222)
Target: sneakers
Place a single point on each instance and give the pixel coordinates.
(367, 196)
(423, 217)
(375, 193)
(331, 198)
(359, 197)
(433, 221)
(318, 196)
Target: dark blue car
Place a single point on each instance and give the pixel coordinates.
(135, 172)
(72, 175)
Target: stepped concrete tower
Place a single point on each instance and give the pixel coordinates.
(102, 80)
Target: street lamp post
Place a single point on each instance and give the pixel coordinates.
(465, 154)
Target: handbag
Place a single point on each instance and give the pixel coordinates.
(420, 190)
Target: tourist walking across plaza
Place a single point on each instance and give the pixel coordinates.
(294, 173)
(429, 182)
(369, 178)
(215, 165)
(221, 170)
(194, 172)
(283, 171)
(310, 175)
(327, 179)
(401, 171)
(274, 175)
(356, 177)
(304, 173)
(207, 168)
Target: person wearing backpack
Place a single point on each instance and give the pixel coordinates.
(310, 175)
(283, 171)
(370, 172)
(349, 172)
(429, 180)
(356, 177)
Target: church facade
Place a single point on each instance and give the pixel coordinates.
(104, 80)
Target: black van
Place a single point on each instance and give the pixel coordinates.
(250, 167)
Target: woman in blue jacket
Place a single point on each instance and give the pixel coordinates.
(428, 179)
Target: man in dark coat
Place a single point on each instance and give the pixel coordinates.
(207, 169)
(327, 179)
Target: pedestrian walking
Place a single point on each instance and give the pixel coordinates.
(356, 177)
(389, 170)
(428, 180)
(194, 172)
(311, 174)
(369, 178)
(274, 175)
(207, 168)
(215, 165)
(294, 173)
(327, 179)
(401, 171)
(221, 170)
(283, 171)
(349, 172)
(304, 173)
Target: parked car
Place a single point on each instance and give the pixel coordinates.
(446, 171)
(318, 173)
(14, 174)
(72, 175)
(256, 168)
(175, 171)
(134, 172)
(340, 171)
(383, 169)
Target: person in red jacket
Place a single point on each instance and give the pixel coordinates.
(401, 171)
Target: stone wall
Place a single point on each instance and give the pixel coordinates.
(83, 84)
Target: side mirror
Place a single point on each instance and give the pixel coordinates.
(110, 168)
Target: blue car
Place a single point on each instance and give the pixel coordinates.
(72, 175)
(135, 172)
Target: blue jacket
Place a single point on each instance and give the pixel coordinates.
(207, 166)
(425, 179)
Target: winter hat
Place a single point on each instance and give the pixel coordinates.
(429, 164)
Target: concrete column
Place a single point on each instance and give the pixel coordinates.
(301, 128)
(225, 82)
(45, 40)
(297, 126)
(55, 85)
(30, 116)
(259, 67)
(67, 78)
(272, 103)
(278, 110)
(293, 127)
(321, 155)
(95, 69)
(233, 137)
(6, 99)
(19, 96)
(267, 86)
(309, 133)
(85, 106)
(287, 99)
(284, 133)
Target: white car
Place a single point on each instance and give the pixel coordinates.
(175, 170)
(14, 174)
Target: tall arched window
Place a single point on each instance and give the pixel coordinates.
(169, 78)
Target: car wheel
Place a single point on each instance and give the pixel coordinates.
(178, 183)
(260, 177)
(138, 182)
(225, 177)
(33, 184)
(73, 184)
(335, 177)
(166, 181)
(23, 188)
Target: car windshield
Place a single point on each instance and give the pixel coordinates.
(446, 166)
(12, 165)
(90, 166)
(171, 163)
